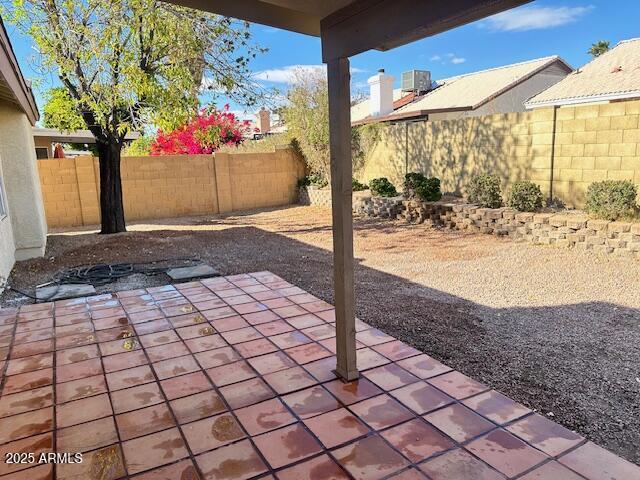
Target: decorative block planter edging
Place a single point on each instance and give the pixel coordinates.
(322, 196)
(559, 229)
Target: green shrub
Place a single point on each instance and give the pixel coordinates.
(356, 186)
(612, 199)
(314, 180)
(382, 187)
(417, 185)
(525, 196)
(484, 190)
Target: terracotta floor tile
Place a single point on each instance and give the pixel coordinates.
(290, 339)
(545, 435)
(506, 453)
(352, 392)
(305, 321)
(159, 338)
(28, 381)
(421, 397)
(228, 292)
(311, 402)
(271, 362)
(121, 345)
(121, 361)
(381, 412)
(396, 350)
(255, 348)
(197, 406)
(75, 355)
(104, 464)
(423, 366)
(188, 320)
(328, 315)
(153, 326)
(26, 424)
(230, 373)
(409, 474)
(144, 421)
(164, 352)
(459, 422)
(319, 468)
(459, 464)
(183, 385)
(204, 343)
(195, 331)
(373, 337)
(238, 299)
(496, 407)
(183, 470)
(457, 385)
(77, 389)
(317, 306)
(241, 335)
(229, 323)
(87, 436)
(217, 357)
(595, 462)
(210, 304)
(417, 440)
(369, 459)
(267, 295)
(75, 340)
(258, 318)
(289, 380)
(320, 332)
(308, 353)
(35, 445)
(26, 401)
(551, 471)
(287, 445)
(32, 348)
(246, 393)
(289, 311)
(153, 450)
(233, 462)
(212, 432)
(176, 366)
(75, 371)
(322, 370)
(84, 410)
(336, 427)
(265, 416)
(29, 364)
(390, 377)
(129, 377)
(136, 397)
(277, 327)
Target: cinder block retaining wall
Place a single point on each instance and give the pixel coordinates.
(321, 197)
(171, 186)
(560, 229)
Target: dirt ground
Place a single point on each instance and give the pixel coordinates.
(555, 329)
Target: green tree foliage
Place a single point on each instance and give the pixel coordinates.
(127, 63)
(60, 111)
(599, 48)
(140, 147)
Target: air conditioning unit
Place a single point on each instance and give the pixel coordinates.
(418, 81)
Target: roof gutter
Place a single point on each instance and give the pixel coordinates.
(408, 115)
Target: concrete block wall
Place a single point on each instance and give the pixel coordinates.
(583, 145)
(171, 186)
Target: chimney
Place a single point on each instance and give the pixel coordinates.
(381, 94)
(264, 120)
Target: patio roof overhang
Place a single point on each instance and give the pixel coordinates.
(346, 28)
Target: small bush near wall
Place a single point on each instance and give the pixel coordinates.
(313, 180)
(525, 196)
(484, 190)
(356, 186)
(417, 185)
(612, 199)
(382, 187)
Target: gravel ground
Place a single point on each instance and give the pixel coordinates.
(555, 329)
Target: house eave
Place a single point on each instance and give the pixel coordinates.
(607, 97)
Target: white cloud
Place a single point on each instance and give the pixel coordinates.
(435, 58)
(535, 18)
(446, 58)
(458, 60)
(287, 74)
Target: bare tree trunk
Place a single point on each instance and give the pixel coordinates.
(111, 205)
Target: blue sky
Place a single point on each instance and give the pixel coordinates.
(544, 27)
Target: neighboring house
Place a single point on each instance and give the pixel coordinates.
(497, 90)
(23, 227)
(613, 76)
(45, 140)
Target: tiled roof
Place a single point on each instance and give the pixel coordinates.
(467, 91)
(613, 75)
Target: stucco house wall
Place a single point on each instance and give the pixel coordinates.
(7, 245)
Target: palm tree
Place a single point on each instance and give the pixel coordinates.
(599, 48)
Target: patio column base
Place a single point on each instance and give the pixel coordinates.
(347, 376)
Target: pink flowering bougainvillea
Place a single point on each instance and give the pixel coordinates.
(204, 133)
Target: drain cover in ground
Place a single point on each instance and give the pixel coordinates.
(185, 273)
(60, 292)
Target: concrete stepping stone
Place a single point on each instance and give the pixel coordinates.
(197, 271)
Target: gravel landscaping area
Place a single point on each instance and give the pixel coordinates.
(556, 329)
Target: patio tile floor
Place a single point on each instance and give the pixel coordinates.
(231, 378)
